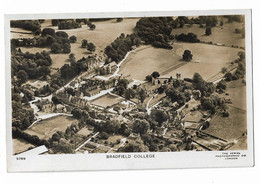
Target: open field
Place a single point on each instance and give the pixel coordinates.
(232, 127)
(107, 100)
(237, 93)
(20, 33)
(46, 128)
(147, 59)
(20, 146)
(229, 128)
(211, 59)
(225, 36)
(105, 33)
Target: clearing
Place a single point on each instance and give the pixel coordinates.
(46, 128)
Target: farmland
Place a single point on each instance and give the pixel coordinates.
(46, 128)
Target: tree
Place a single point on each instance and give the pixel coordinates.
(187, 56)
(159, 116)
(149, 78)
(141, 126)
(62, 34)
(66, 48)
(91, 47)
(142, 95)
(155, 74)
(55, 48)
(208, 31)
(22, 76)
(92, 26)
(228, 76)
(72, 57)
(48, 31)
(84, 43)
(129, 94)
(73, 39)
(119, 19)
(221, 23)
(223, 70)
(56, 100)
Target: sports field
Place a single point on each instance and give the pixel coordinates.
(46, 128)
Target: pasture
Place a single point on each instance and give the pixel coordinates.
(46, 128)
(225, 35)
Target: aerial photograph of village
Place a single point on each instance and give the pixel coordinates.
(128, 84)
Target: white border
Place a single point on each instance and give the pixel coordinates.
(162, 160)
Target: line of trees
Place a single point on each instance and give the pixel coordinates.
(118, 49)
(190, 37)
(31, 25)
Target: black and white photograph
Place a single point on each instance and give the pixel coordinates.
(128, 87)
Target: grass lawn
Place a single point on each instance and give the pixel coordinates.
(147, 59)
(225, 36)
(20, 145)
(46, 128)
(211, 59)
(107, 100)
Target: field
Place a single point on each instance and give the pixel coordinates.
(105, 33)
(20, 146)
(20, 33)
(147, 59)
(231, 128)
(211, 59)
(225, 36)
(107, 100)
(46, 128)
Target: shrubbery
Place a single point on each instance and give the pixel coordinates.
(117, 50)
(190, 37)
